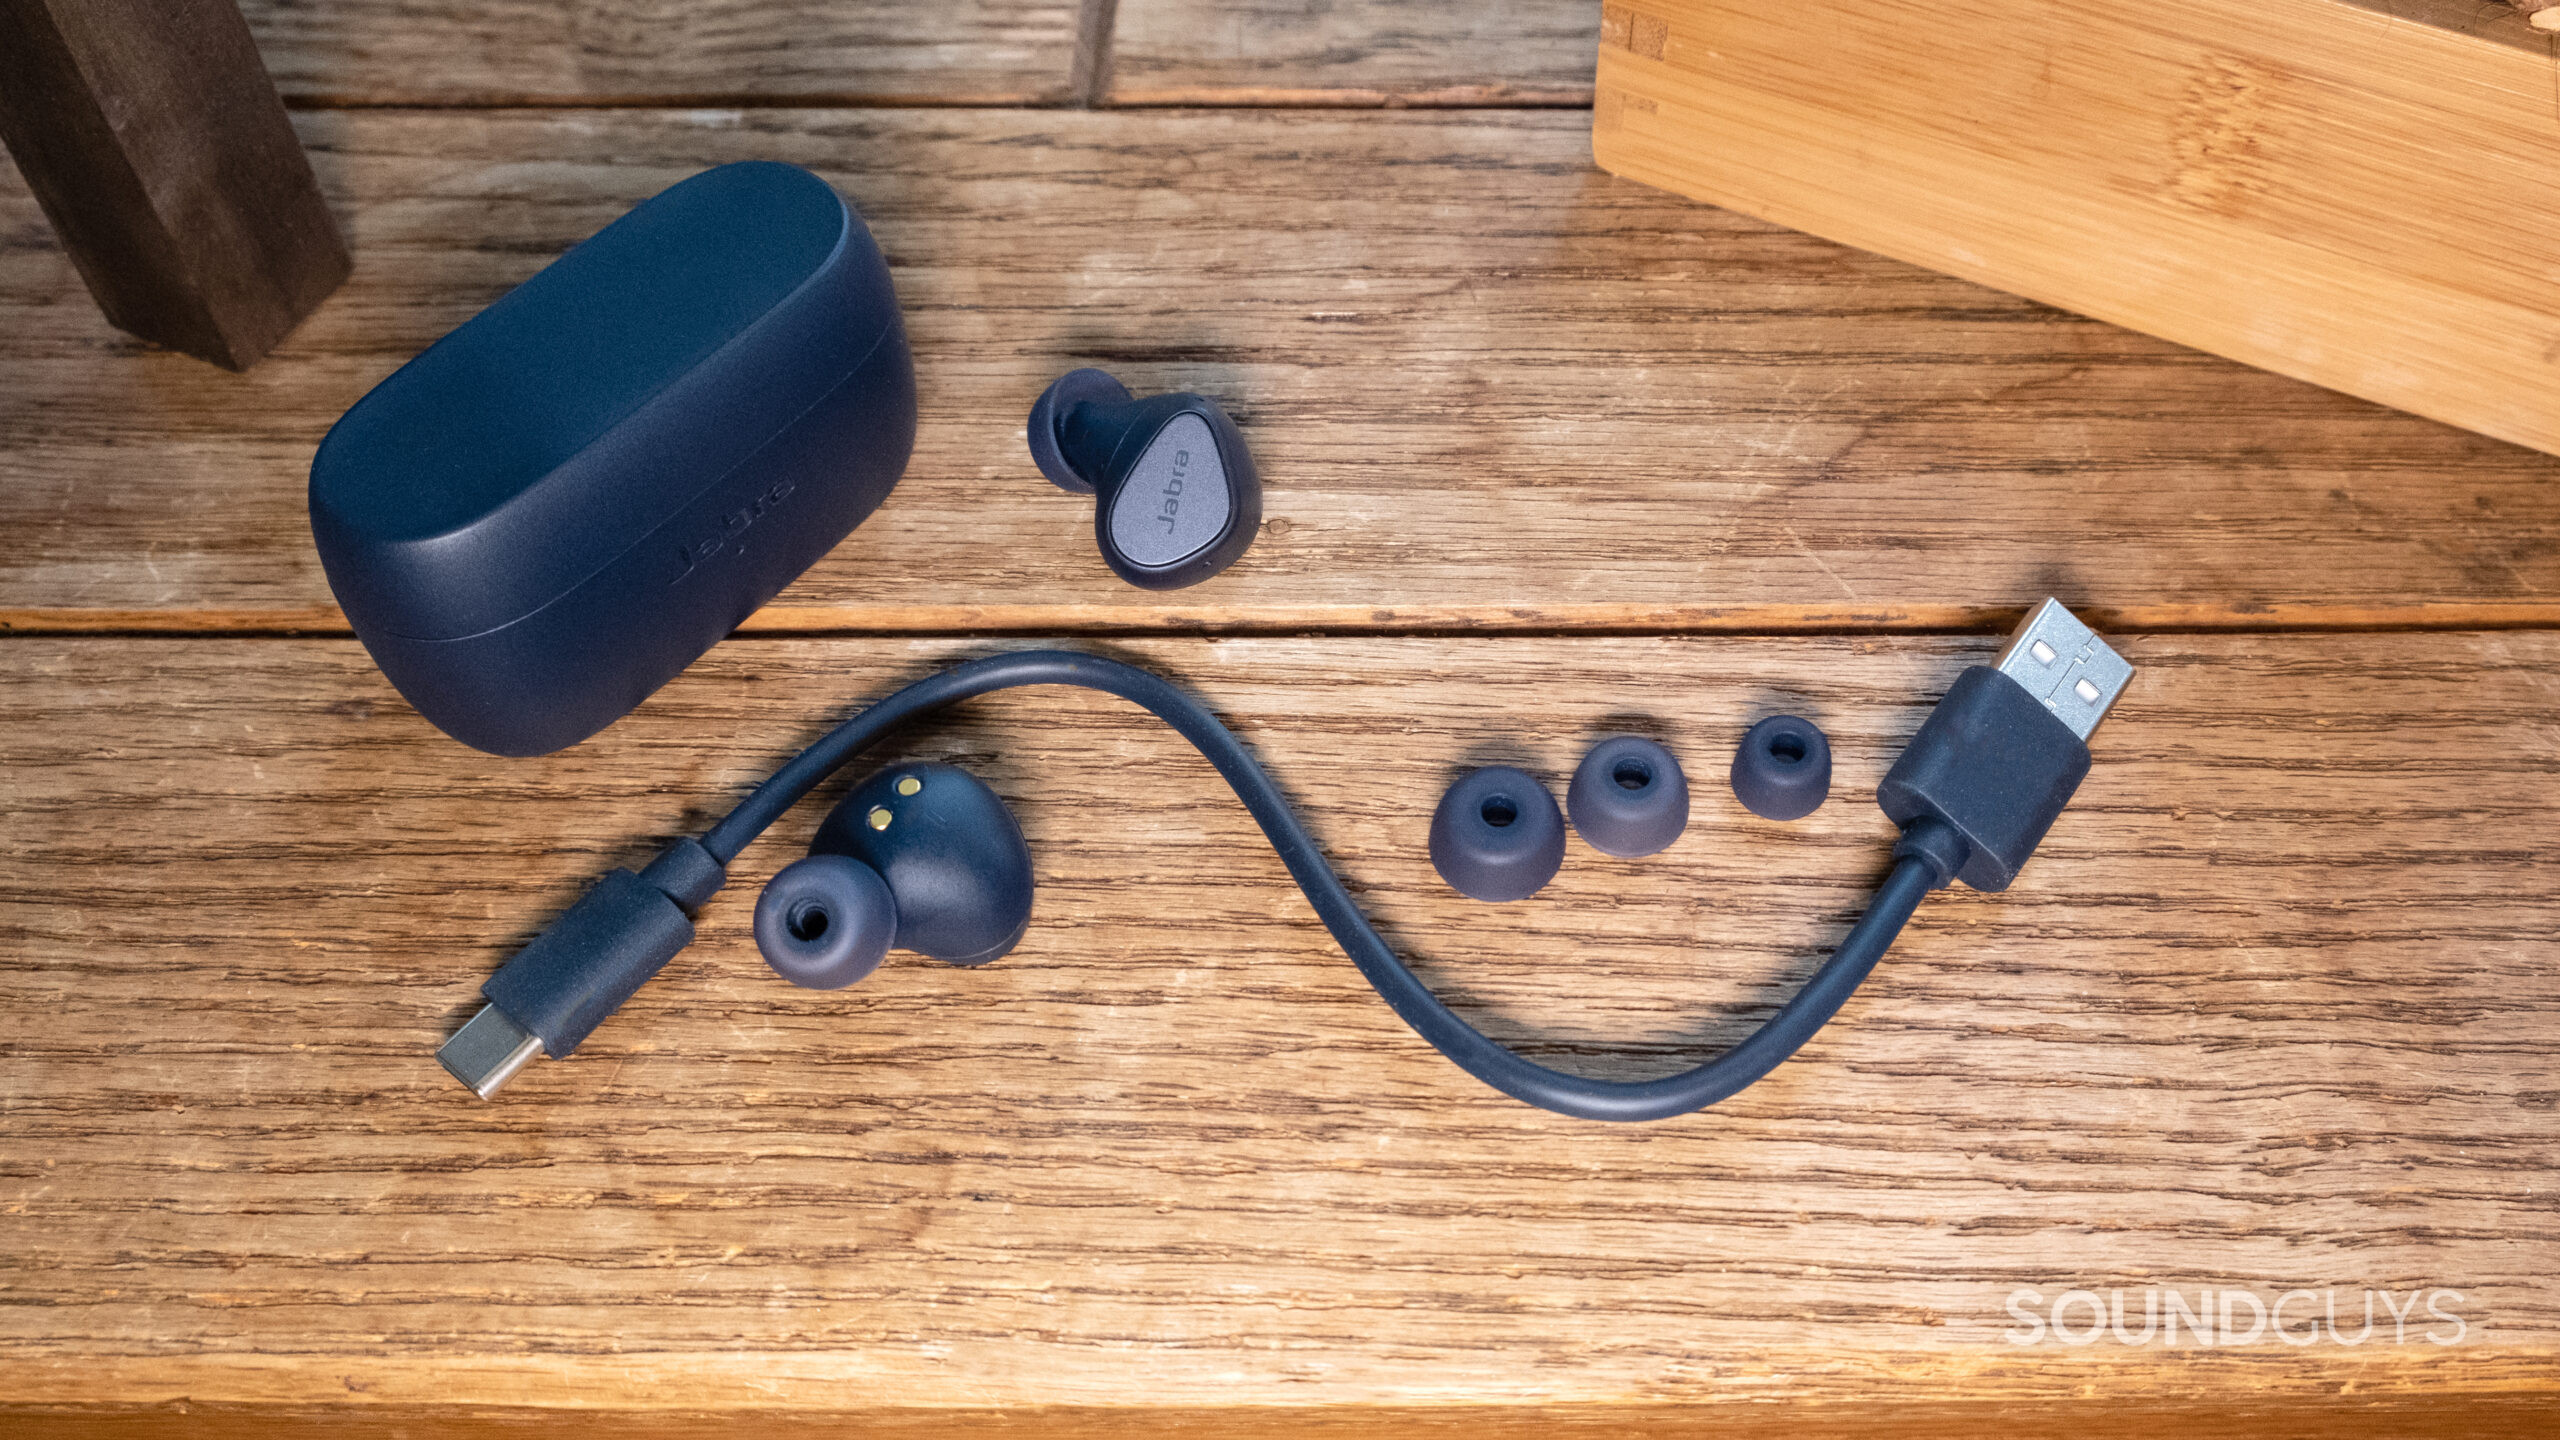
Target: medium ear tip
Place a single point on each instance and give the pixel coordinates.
(1628, 797)
(951, 853)
(825, 921)
(1074, 388)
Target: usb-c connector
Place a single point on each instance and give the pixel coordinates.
(488, 1050)
(555, 990)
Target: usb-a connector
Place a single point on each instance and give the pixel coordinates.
(2064, 664)
(1991, 768)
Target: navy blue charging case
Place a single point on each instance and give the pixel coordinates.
(549, 513)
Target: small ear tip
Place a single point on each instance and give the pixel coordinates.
(1782, 770)
(825, 921)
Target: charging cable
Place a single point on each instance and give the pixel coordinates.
(1974, 793)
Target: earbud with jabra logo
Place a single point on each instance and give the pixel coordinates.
(1177, 497)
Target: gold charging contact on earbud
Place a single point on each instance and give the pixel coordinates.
(909, 785)
(879, 817)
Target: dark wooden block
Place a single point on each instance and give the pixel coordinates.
(150, 133)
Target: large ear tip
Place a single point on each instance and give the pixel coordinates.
(1497, 835)
(825, 921)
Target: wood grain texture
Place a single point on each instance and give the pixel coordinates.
(2310, 185)
(1499, 391)
(1353, 52)
(665, 52)
(2274, 1008)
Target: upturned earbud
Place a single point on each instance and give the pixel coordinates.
(1178, 497)
(922, 857)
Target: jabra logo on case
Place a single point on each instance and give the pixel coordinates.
(1173, 489)
(732, 525)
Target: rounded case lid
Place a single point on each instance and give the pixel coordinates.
(501, 467)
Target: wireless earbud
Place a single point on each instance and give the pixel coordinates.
(920, 857)
(1178, 497)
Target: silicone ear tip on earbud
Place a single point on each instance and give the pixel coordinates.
(1497, 835)
(1629, 797)
(1783, 770)
(825, 922)
(1064, 394)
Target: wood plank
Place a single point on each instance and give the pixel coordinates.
(2309, 185)
(162, 159)
(2451, 1418)
(1503, 392)
(2274, 1009)
(663, 52)
(1352, 52)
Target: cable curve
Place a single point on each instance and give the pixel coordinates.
(1405, 993)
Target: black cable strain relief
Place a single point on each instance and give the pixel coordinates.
(687, 873)
(1936, 844)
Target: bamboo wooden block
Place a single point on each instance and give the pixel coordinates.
(2332, 192)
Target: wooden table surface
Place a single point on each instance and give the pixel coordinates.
(1547, 454)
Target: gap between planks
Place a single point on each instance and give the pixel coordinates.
(1460, 98)
(1353, 621)
(1089, 87)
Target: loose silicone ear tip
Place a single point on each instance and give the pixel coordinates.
(1629, 797)
(1049, 411)
(1497, 835)
(825, 921)
(1783, 770)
